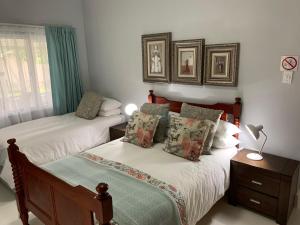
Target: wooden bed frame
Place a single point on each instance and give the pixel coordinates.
(234, 109)
(56, 202)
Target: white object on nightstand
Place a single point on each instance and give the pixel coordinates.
(255, 133)
(254, 156)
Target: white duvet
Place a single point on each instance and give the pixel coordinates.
(202, 183)
(52, 138)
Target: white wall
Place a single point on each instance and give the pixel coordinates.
(40, 12)
(266, 30)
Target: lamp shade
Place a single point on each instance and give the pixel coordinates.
(130, 108)
(254, 130)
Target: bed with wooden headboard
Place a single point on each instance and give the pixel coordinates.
(234, 109)
(54, 201)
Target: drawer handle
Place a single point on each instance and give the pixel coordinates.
(256, 182)
(254, 201)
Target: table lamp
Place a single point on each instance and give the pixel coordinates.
(130, 109)
(255, 133)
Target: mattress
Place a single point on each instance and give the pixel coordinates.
(51, 138)
(201, 183)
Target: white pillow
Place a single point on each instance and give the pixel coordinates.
(110, 113)
(225, 142)
(226, 129)
(110, 104)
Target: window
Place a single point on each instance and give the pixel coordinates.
(25, 86)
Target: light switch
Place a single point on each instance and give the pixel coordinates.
(287, 77)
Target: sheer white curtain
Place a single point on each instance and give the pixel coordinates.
(25, 87)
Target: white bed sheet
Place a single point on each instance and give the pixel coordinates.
(52, 138)
(202, 183)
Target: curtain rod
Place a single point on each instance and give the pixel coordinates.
(23, 25)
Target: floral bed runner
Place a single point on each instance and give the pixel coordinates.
(138, 198)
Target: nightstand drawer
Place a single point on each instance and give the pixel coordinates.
(254, 178)
(259, 202)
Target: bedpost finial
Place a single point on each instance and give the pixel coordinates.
(238, 100)
(151, 97)
(102, 189)
(12, 145)
(11, 141)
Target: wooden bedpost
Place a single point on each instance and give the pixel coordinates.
(106, 201)
(237, 110)
(20, 196)
(151, 97)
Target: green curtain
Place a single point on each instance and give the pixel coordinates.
(64, 69)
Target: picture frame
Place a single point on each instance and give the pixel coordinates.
(222, 64)
(156, 50)
(187, 60)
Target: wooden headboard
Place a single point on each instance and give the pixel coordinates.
(234, 109)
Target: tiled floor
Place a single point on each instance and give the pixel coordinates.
(220, 214)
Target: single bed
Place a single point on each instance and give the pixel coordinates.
(147, 186)
(52, 138)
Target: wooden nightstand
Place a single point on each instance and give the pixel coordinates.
(117, 131)
(268, 186)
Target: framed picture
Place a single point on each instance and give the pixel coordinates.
(187, 61)
(156, 57)
(221, 64)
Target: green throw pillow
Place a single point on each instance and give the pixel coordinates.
(163, 111)
(89, 105)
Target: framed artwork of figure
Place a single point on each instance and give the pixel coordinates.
(187, 59)
(222, 64)
(156, 57)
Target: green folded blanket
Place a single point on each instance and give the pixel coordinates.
(138, 198)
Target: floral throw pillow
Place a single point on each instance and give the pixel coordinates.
(200, 113)
(186, 137)
(141, 128)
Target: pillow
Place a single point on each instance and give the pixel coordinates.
(200, 113)
(203, 114)
(225, 142)
(163, 111)
(170, 115)
(110, 113)
(89, 105)
(141, 128)
(110, 104)
(173, 114)
(186, 137)
(226, 129)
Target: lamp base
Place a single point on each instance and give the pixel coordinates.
(254, 156)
